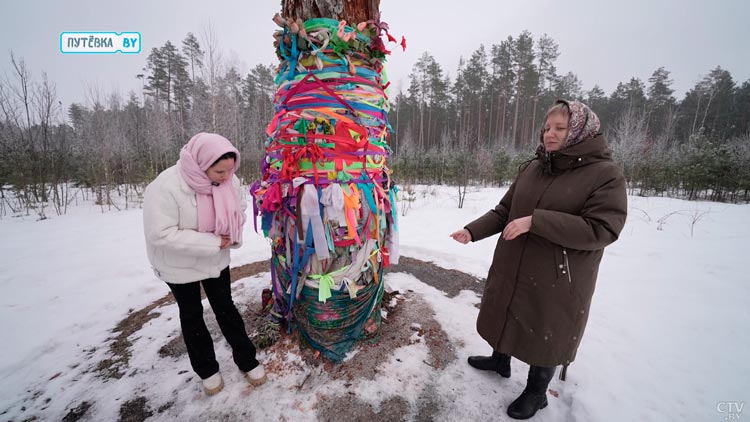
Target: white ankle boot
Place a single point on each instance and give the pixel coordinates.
(257, 376)
(213, 384)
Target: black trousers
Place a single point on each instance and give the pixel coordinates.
(199, 344)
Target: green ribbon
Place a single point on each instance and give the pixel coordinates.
(325, 283)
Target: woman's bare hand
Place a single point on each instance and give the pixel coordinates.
(517, 227)
(225, 242)
(461, 236)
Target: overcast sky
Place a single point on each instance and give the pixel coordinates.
(603, 42)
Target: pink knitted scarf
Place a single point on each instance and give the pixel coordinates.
(219, 208)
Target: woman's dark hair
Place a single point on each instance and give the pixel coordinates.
(230, 154)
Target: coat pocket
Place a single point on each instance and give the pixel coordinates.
(562, 267)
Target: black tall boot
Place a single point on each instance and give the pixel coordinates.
(534, 396)
(498, 362)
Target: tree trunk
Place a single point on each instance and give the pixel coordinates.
(533, 120)
(332, 340)
(420, 141)
(479, 122)
(697, 109)
(490, 113)
(515, 123)
(429, 126)
(502, 117)
(396, 136)
(352, 11)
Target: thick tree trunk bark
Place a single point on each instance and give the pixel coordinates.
(348, 10)
(312, 261)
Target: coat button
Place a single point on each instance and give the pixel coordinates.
(560, 266)
(575, 338)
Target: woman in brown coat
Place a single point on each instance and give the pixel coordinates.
(556, 218)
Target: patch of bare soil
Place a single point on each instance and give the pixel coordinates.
(119, 348)
(449, 281)
(76, 413)
(135, 410)
(249, 270)
(407, 314)
(391, 409)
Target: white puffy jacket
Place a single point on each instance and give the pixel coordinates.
(178, 252)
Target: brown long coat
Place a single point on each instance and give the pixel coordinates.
(539, 288)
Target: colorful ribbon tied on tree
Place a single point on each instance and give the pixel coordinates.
(326, 199)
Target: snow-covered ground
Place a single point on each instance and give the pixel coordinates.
(667, 338)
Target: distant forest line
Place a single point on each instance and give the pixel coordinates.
(473, 128)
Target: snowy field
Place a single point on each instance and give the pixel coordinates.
(667, 339)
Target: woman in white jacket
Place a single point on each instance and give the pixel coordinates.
(193, 212)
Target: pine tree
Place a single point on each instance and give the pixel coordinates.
(597, 100)
(627, 98)
(459, 92)
(551, 86)
(568, 86)
(741, 116)
(660, 102)
(192, 51)
(547, 53)
(262, 79)
(503, 79)
(158, 80)
(428, 89)
(706, 109)
(476, 78)
(527, 84)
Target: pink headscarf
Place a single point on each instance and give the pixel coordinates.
(219, 208)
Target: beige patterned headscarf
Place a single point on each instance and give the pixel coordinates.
(584, 123)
